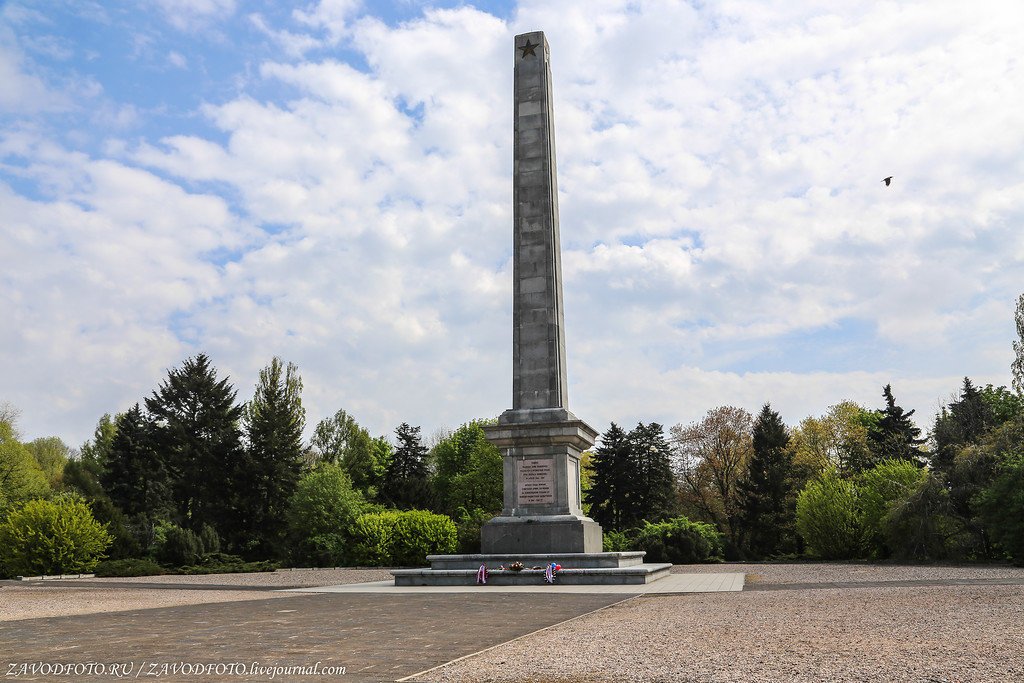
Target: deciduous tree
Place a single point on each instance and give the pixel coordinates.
(712, 457)
(340, 440)
(467, 471)
(838, 439)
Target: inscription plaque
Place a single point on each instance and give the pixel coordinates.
(536, 482)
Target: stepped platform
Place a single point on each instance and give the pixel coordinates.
(577, 569)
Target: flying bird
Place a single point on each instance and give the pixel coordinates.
(887, 181)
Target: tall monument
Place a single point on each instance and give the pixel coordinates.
(541, 522)
(540, 439)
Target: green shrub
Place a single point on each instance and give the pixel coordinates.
(323, 550)
(886, 484)
(418, 534)
(180, 547)
(320, 513)
(209, 541)
(222, 563)
(394, 538)
(124, 544)
(1002, 507)
(372, 538)
(617, 542)
(57, 536)
(129, 567)
(827, 517)
(679, 541)
(924, 527)
(468, 526)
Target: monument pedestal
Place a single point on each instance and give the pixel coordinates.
(541, 451)
(544, 534)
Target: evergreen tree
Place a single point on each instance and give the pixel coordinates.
(894, 436)
(197, 435)
(612, 476)
(84, 473)
(94, 453)
(654, 495)
(135, 478)
(963, 422)
(405, 484)
(274, 421)
(766, 494)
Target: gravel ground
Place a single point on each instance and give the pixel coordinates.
(854, 571)
(282, 578)
(33, 601)
(973, 633)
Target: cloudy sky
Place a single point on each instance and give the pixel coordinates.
(330, 182)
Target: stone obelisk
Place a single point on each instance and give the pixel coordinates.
(540, 439)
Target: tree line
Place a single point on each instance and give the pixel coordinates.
(853, 483)
(191, 459)
(190, 470)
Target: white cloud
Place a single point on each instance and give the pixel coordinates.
(726, 238)
(177, 60)
(329, 16)
(23, 92)
(191, 14)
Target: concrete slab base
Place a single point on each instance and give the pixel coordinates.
(577, 569)
(672, 584)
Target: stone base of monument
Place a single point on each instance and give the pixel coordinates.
(541, 534)
(577, 569)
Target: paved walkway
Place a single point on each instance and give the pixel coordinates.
(375, 637)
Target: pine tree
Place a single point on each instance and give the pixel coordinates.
(766, 494)
(963, 422)
(611, 480)
(197, 435)
(894, 436)
(405, 484)
(135, 477)
(274, 421)
(654, 495)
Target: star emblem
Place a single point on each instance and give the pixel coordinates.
(528, 48)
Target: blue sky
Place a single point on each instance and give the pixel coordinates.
(330, 182)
